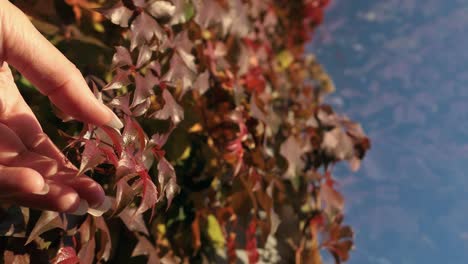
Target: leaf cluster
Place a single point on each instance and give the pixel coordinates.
(227, 151)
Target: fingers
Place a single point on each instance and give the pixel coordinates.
(27, 187)
(14, 112)
(26, 49)
(14, 154)
(51, 165)
(60, 198)
(86, 187)
(45, 166)
(10, 145)
(18, 116)
(14, 180)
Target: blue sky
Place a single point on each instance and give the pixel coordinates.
(401, 69)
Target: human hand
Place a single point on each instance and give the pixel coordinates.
(33, 171)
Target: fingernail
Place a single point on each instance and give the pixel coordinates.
(44, 190)
(82, 208)
(115, 121)
(101, 209)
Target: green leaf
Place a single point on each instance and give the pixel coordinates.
(189, 12)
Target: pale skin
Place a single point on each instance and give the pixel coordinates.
(33, 171)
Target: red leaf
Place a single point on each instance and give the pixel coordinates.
(208, 12)
(115, 137)
(142, 108)
(337, 144)
(196, 234)
(165, 172)
(118, 14)
(47, 221)
(178, 16)
(122, 103)
(340, 250)
(171, 109)
(251, 242)
(330, 196)
(182, 66)
(66, 255)
(256, 112)
(179, 73)
(133, 221)
(159, 139)
(105, 243)
(86, 254)
(133, 135)
(143, 29)
(254, 80)
(292, 151)
(119, 80)
(10, 258)
(91, 156)
(144, 87)
(145, 247)
(121, 57)
(183, 46)
(126, 165)
(144, 55)
(161, 9)
(235, 149)
(111, 157)
(87, 232)
(236, 22)
(231, 247)
(235, 155)
(202, 83)
(215, 53)
(149, 194)
(124, 195)
(171, 190)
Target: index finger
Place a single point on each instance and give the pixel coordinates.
(22, 46)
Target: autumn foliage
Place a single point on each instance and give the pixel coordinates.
(228, 149)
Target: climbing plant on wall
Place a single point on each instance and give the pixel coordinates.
(227, 151)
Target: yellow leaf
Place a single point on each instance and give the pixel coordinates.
(206, 34)
(215, 233)
(161, 229)
(185, 154)
(284, 59)
(196, 128)
(98, 27)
